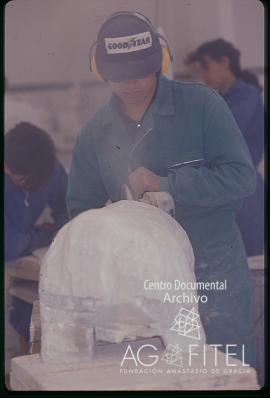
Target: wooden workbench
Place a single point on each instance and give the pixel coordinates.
(23, 269)
(21, 281)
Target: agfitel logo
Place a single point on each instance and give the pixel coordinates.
(185, 324)
(127, 44)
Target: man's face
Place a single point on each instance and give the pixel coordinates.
(134, 91)
(213, 72)
(19, 180)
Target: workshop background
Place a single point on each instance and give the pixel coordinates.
(47, 43)
(47, 75)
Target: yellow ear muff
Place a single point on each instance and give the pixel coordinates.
(166, 60)
(94, 69)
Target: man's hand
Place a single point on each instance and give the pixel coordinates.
(143, 180)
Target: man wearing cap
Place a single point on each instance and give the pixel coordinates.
(156, 135)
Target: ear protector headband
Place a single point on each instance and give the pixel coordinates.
(167, 57)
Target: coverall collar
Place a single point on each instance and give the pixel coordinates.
(237, 84)
(163, 103)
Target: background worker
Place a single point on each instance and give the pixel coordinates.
(34, 180)
(220, 68)
(156, 134)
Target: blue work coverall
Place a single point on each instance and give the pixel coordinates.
(22, 236)
(190, 139)
(244, 100)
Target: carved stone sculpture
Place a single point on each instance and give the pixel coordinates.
(97, 280)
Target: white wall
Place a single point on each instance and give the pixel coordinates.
(48, 40)
(248, 21)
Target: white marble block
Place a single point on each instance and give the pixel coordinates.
(93, 280)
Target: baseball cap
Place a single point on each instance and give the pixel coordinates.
(128, 47)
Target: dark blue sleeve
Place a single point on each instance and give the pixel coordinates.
(19, 242)
(248, 111)
(57, 197)
(16, 242)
